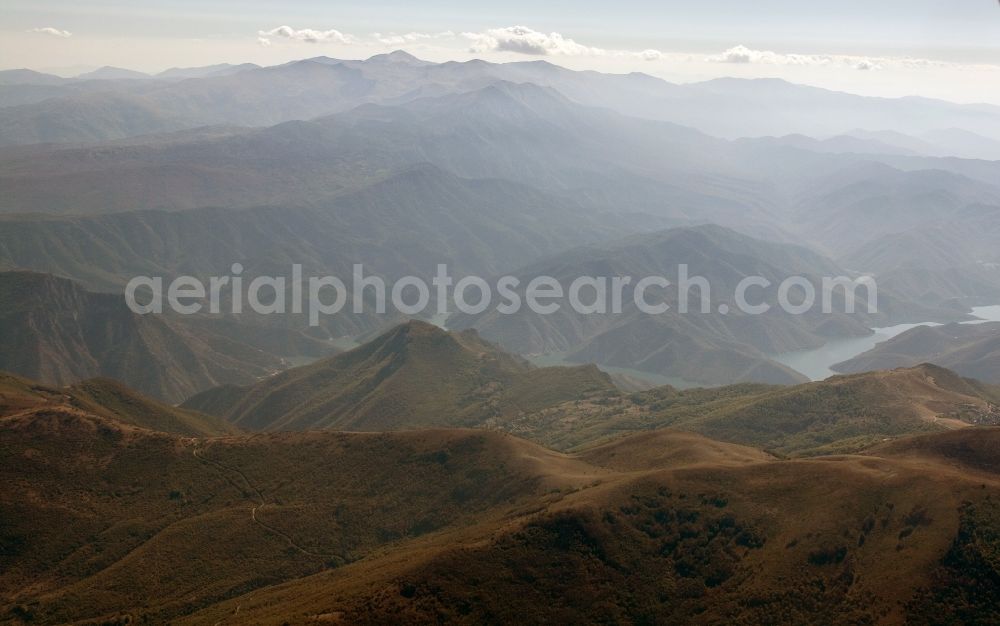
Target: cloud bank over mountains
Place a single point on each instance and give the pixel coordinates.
(517, 39)
(520, 39)
(743, 55)
(307, 35)
(524, 40)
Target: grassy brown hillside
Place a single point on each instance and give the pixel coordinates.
(103, 519)
(416, 375)
(106, 521)
(841, 414)
(840, 540)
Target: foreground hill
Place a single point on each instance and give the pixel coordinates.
(53, 330)
(840, 541)
(104, 521)
(841, 414)
(972, 350)
(99, 516)
(416, 375)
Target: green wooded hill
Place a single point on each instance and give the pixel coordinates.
(416, 375)
(843, 414)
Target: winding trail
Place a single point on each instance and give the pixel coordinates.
(225, 471)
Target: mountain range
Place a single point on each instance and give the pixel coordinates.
(506, 168)
(312, 87)
(503, 466)
(489, 123)
(707, 347)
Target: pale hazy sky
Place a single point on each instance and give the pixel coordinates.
(940, 48)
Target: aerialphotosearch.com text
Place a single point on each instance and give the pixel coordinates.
(319, 296)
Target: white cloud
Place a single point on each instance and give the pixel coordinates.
(527, 41)
(307, 35)
(392, 39)
(524, 40)
(311, 35)
(742, 54)
(48, 30)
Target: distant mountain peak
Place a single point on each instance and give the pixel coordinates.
(397, 56)
(324, 60)
(110, 72)
(219, 69)
(520, 92)
(411, 330)
(25, 76)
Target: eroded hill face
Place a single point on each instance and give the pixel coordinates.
(416, 375)
(53, 330)
(103, 520)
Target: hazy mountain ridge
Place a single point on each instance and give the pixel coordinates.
(972, 350)
(596, 159)
(406, 223)
(404, 183)
(701, 347)
(522, 133)
(724, 107)
(55, 331)
(952, 258)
